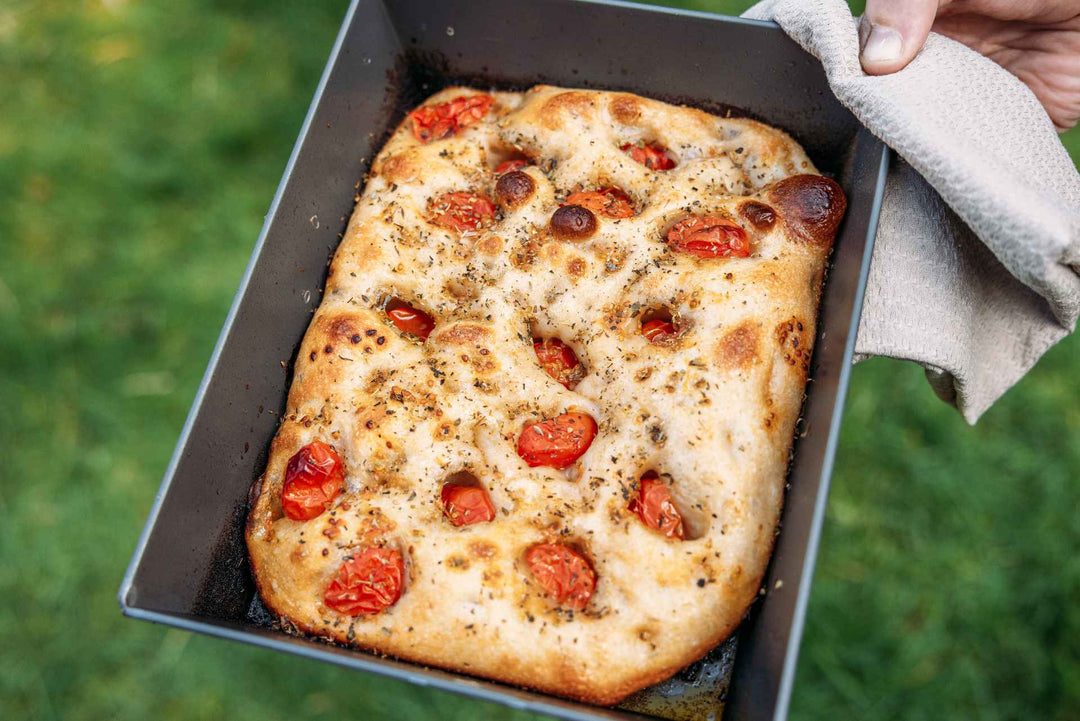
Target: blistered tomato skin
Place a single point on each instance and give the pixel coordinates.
(314, 477)
(609, 202)
(556, 442)
(466, 505)
(368, 583)
(558, 361)
(412, 321)
(462, 211)
(651, 156)
(508, 166)
(709, 237)
(658, 331)
(656, 508)
(432, 122)
(562, 573)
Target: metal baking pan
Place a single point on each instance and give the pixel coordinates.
(190, 567)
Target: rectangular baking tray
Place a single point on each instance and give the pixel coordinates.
(190, 568)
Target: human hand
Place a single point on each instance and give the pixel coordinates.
(1038, 41)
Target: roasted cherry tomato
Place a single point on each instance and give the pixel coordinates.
(432, 122)
(656, 508)
(410, 320)
(465, 505)
(508, 166)
(314, 477)
(611, 202)
(462, 211)
(558, 361)
(369, 582)
(562, 573)
(709, 237)
(658, 330)
(652, 157)
(556, 442)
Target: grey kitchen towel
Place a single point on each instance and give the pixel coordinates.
(976, 269)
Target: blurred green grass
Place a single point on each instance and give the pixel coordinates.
(140, 144)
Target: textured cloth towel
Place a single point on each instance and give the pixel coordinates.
(976, 270)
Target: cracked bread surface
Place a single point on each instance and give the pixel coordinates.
(711, 410)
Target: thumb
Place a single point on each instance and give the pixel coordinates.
(892, 32)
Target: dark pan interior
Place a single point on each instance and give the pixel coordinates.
(191, 565)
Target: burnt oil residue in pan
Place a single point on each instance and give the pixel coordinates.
(225, 592)
(258, 614)
(697, 693)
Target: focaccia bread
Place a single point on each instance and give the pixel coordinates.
(539, 426)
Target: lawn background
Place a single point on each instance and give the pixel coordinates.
(140, 145)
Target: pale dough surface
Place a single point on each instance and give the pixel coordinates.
(714, 413)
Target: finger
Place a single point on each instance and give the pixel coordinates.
(892, 33)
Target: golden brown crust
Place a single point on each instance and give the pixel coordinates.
(739, 346)
(812, 205)
(713, 410)
(759, 215)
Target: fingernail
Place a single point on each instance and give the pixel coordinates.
(880, 43)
